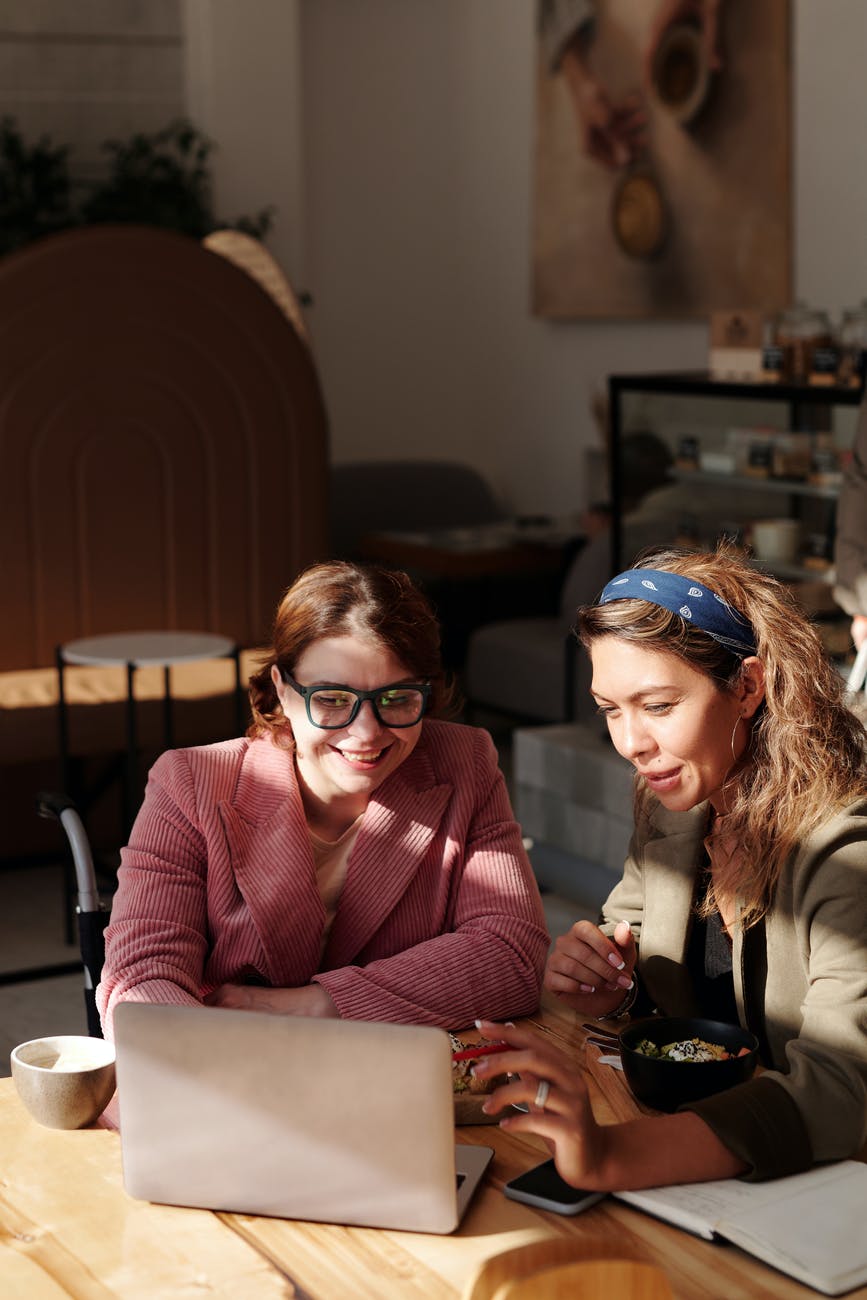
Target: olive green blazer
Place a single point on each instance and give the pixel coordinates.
(800, 980)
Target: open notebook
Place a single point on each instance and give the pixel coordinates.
(808, 1225)
(333, 1120)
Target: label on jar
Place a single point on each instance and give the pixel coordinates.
(851, 370)
(819, 546)
(759, 459)
(825, 467)
(687, 453)
(824, 365)
(773, 362)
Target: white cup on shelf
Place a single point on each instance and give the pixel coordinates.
(775, 540)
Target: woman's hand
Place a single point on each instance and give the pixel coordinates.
(613, 134)
(308, 1000)
(565, 1122)
(648, 1151)
(590, 972)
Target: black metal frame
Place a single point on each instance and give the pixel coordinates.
(130, 774)
(806, 403)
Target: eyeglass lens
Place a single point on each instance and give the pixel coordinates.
(399, 707)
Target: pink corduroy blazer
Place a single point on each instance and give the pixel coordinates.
(439, 921)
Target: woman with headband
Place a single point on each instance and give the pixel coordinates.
(743, 895)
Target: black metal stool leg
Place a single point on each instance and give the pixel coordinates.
(69, 886)
(168, 717)
(240, 712)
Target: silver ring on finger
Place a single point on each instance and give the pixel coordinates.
(541, 1096)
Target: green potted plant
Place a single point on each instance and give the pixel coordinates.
(163, 179)
(34, 188)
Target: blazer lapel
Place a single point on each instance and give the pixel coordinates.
(401, 820)
(272, 862)
(671, 856)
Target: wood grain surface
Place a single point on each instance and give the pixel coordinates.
(67, 1228)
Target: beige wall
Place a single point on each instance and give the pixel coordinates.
(84, 71)
(243, 88)
(418, 121)
(418, 125)
(831, 151)
(395, 138)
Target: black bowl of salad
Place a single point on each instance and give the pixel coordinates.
(672, 1060)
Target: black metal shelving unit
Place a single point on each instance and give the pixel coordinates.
(808, 406)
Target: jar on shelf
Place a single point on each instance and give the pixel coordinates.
(853, 346)
(687, 453)
(804, 334)
(825, 467)
(774, 356)
(760, 456)
(819, 552)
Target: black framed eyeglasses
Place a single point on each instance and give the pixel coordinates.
(332, 707)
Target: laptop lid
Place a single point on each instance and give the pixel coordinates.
(341, 1121)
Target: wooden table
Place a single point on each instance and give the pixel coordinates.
(67, 1228)
(480, 575)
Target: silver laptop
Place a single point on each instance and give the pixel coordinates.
(340, 1121)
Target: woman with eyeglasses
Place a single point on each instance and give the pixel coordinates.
(743, 894)
(352, 856)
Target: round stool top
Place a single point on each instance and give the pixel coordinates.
(146, 649)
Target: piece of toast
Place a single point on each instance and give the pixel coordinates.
(469, 1092)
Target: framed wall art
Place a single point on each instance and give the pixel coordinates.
(662, 180)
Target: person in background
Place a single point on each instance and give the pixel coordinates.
(743, 894)
(352, 856)
(850, 557)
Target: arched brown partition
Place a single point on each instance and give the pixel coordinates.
(163, 444)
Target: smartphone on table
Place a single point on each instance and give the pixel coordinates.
(543, 1187)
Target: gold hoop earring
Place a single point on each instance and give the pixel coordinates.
(738, 720)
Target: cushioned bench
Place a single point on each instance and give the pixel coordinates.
(202, 707)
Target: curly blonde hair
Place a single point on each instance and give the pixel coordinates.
(806, 749)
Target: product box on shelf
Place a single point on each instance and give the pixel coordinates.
(736, 345)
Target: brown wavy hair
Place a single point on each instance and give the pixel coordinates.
(806, 752)
(339, 598)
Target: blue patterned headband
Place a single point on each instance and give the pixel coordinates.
(695, 604)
